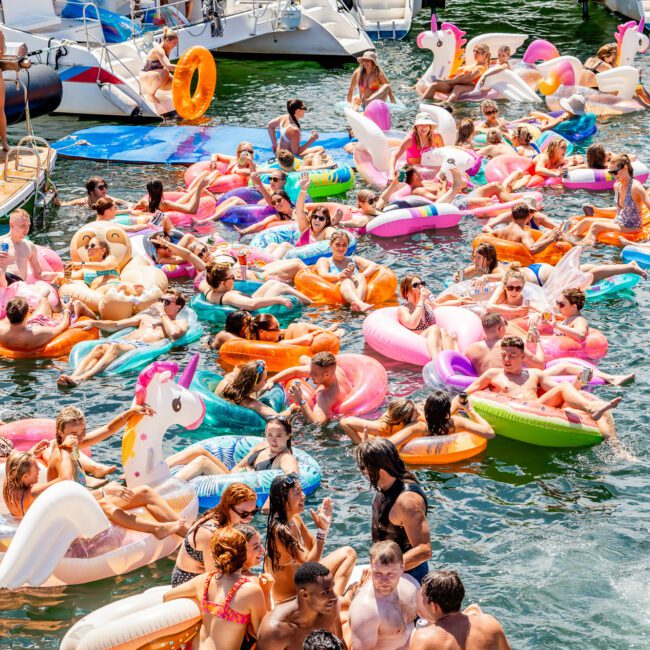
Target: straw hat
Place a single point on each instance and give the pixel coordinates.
(574, 104)
(424, 119)
(369, 55)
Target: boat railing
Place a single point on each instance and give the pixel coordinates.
(109, 56)
(18, 154)
(89, 17)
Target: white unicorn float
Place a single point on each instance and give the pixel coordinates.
(446, 45)
(617, 91)
(65, 537)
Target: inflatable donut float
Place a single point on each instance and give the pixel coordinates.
(442, 450)
(508, 251)
(191, 105)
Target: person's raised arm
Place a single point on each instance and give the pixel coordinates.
(474, 423)
(174, 329)
(366, 267)
(296, 372)
(301, 215)
(185, 254)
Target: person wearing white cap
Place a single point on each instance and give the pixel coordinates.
(371, 81)
(423, 138)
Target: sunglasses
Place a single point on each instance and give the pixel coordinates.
(275, 179)
(370, 201)
(229, 277)
(319, 217)
(512, 287)
(250, 151)
(492, 111)
(291, 479)
(246, 514)
(278, 418)
(91, 245)
(560, 303)
(167, 301)
(102, 186)
(613, 172)
(274, 329)
(417, 285)
(276, 201)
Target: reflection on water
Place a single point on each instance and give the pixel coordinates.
(553, 542)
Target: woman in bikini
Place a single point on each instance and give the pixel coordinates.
(371, 82)
(605, 59)
(158, 69)
(290, 131)
(418, 144)
(400, 413)
(232, 605)
(96, 189)
(238, 504)
(188, 203)
(265, 327)
(289, 543)
(254, 557)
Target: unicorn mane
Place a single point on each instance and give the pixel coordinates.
(460, 42)
(621, 29)
(148, 374)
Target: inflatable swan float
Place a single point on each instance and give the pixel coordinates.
(65, 537)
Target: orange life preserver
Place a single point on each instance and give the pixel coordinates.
(187, 104)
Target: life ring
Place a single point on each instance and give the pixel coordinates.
(187, 104)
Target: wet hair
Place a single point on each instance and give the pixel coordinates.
(575, 297)
(67, 415)
(238, 323)
(263, 323)
(465, 131)
(339, 234)
(92, 183)
(279, 526)
(406, 284)
(523, 134)
(155, 191)
(488, 103)
(520, 211)
(103, 205)
(322, 640)
(494, 136)
(437, 413)
(555, 145)
(321, 210)
(363, 196)
(401, 411)
(622, 160)
(285, 158)
(445, 589)
(308, 574)
(489, 252)
(246, 530)
(17, 465)
(228, 548)
(386, 552)
(181, 301)
(410, 170)
(16, 310)
(596, 156)
(232, 496)
(294, 105)
(323, 360)
(607, 50)
(247, 377)
(380, 453)
(492, 319)
(514, 272)
(512, 342)
(216, 273)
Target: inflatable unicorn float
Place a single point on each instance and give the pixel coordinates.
(447, 47)
(65, 538)
(617, 89)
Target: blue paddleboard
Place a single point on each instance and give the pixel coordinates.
(179, 145)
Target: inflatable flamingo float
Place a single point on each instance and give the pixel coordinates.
(66, 539)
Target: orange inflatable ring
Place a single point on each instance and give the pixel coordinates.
(508, 251)
(442, 450)
(277, 356)
(611, 238)
(381, 286)
(59, 346)
(187, 104)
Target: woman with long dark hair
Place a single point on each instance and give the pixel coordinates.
(188, 203)
(290, 131)
(289, 543)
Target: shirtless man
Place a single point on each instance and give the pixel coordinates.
(507, 217)
(451, 629)
(496, 145)
(331, 385)
(315, 607)
(21, 333)
(66, 462)
(157, 323)
(514, 380)
(22, 256)
(383, 613)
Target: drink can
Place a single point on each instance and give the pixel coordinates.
(242, 258)
(4, 246)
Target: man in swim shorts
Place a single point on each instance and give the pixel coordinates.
(442, 595)
(331, 386)
(315, 607)
(399, 509)
(22, 256)
(154, 325)
(383, 613)
(18, 332)
(523, 384)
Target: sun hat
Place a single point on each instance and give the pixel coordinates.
(425, 119)
(368, 55)
(574, 104)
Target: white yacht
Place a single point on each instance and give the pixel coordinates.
(635, 9)
(101, 77)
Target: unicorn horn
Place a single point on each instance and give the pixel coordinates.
(641, 25)
(188, 374)
(434, 23)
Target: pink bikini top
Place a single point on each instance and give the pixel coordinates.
(225, 612)
(414, 152)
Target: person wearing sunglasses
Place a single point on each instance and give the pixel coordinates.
(157, 72)
(490, 111)
(188, 203)
(159, 322)
(289, 543)
(100, 269)
(106, 210)
(284, 211)
(508, 299)
(366, 209)
(96, 188)
(630, 199)
(238, 504)
(418, 316)
(399, 414)
(290, 130)
(371, 82)
(464, 80)
(265, 327)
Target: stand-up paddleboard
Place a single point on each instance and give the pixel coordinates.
(179, 145)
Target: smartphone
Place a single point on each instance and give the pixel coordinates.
(564, 226)
(462, 398)
(401, 176)
(586, 375)
(157, 218)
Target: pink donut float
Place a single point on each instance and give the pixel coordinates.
(29, 292)
(384, 333)
(49, 260)
(222, 184)
(26, 433)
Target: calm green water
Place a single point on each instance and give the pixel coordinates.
(553, 543)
